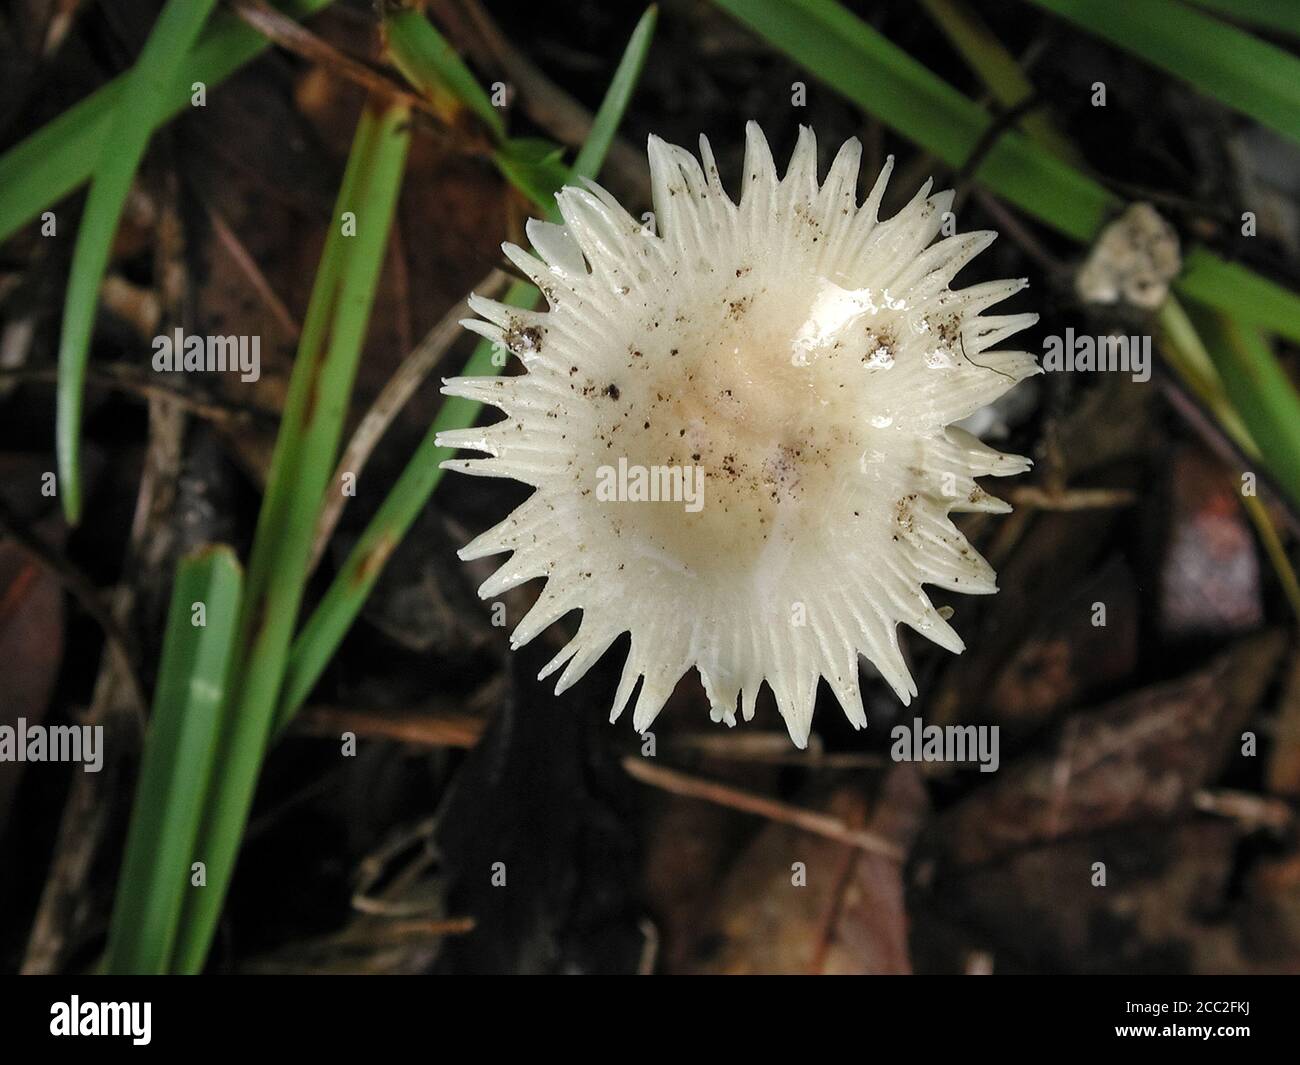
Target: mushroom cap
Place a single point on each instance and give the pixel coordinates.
(738, 421)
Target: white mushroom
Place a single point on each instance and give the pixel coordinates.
(805, 361)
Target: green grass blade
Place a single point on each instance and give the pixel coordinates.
(329, 623)
(862, 65)
(59, 157)
(1184, 350)
(429, 62)
(1240, 292)
(997, 69)
(609, 116)
(1280, 15)
(534, 166)
(179, 750)
(319, 391)
(1223, 62)
(1260, 391)
(1275, 549)
(542, 180)
(134, 119)
(1239, 372)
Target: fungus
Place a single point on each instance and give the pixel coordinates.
(807, 361)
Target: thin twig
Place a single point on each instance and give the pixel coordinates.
(1004, 119)
(375, 865)
(1250, 810)
(61, 22)
(278, 28)
(1275, 549)
(1225, 447)
(1018, 231)
(1071, 498)
(813, 821)
(400, 930)
(336, 951)
(441, 722)
(127, 379)
(401, 287)
(848, 862)
(248, 266)
(420, 729)
(316, 788)
(770, 748)
(400, 387)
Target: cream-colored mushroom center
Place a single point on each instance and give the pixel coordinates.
(726, 444)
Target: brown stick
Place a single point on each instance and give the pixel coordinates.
(405, 726)
(402, 930)
(1224, 447)
(1251, 810)
(121, 377)
(813, 821)
(771, 748)
(290, 35)
(400, 387)
(1071, 498)
(248, 266)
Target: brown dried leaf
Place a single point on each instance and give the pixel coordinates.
(847, 916)
(31, 649)
(1139, 757)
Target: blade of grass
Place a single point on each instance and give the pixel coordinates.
(1281, 15)
(1260, 391)
(1184, 350)
(429, 62)
(319, 389)
(138, 112)
(329, 623)
(1238, 291)
(882, 79)
(865, 67)
(1223, 62)
(997, 69)
(1001, 75)
(532, 165)
(617, 94)
(1275, 549)
(60, 156)
(178, 757)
